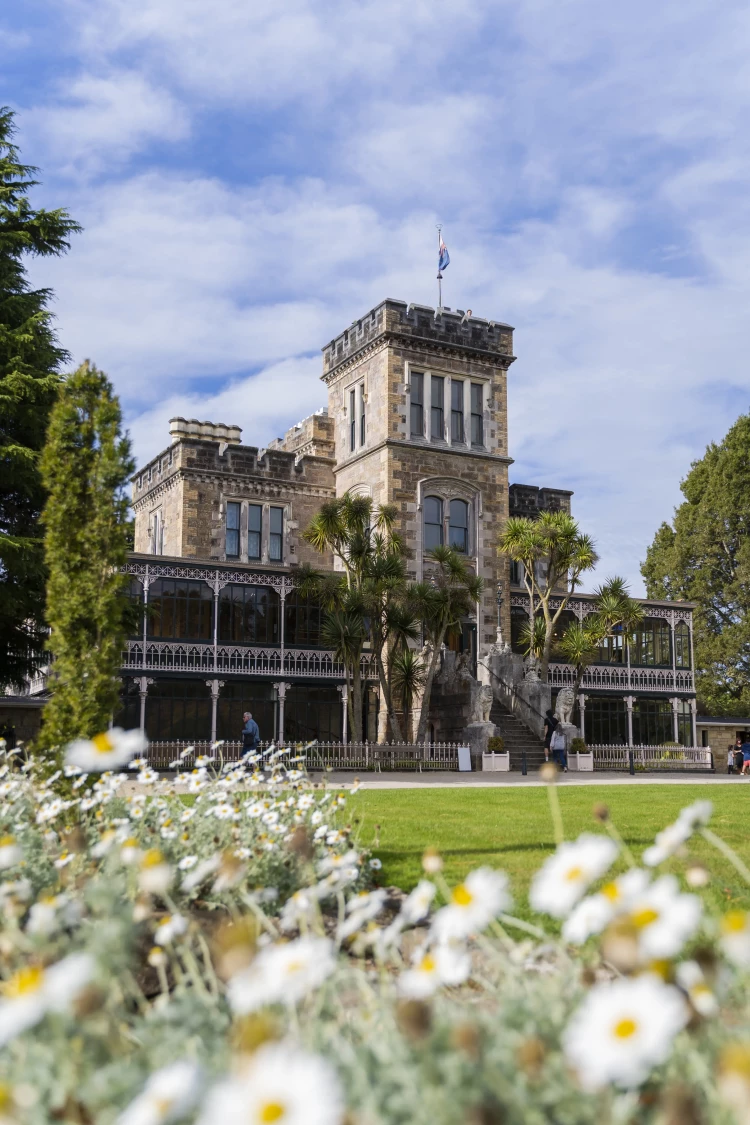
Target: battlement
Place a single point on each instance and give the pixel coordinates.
(422, 326)
(528, 500)
(314, 436)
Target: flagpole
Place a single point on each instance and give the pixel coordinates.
(439, 274)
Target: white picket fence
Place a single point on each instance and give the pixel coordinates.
(652, 758)
(318, 755)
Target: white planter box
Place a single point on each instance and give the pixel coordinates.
(585, 762)
(499, 762)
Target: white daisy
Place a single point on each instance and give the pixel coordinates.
(110, 749)
(187, 862)
(280, 1085)
(300, 907)
(375, 864)
(282, 973)
(169, 1093)
(691, 979)
(205, 868)
(417, 903)
(331, 863)
(735, 937)
(674, 836)
(34, 991)
(10, 853)
(448, 964)
(566, 876)
(623, 1030)
(594, 913)
(170, 928)
(147, 776)
(361, 909)
(155, 873)
(474, 903)
(663, 919)
(187, 815)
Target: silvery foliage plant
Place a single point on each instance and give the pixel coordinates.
(217, 949)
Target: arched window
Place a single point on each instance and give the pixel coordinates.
(433, 523)
(459, 526)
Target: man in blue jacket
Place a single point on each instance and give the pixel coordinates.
(250, 733)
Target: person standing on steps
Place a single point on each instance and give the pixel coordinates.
(550, 722)
(559, 749)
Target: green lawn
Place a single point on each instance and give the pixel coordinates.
(512, 828)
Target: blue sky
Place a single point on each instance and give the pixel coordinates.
(252, 177)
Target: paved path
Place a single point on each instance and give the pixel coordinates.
(448, 780)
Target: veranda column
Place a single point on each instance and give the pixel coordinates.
(582, 710)
(146, 584)
(281, 690)
(675, 720)
(693, 709)
(343, 689)
(215, 687)
(629, 700)
(217, 588)
(282, 632)
(143, 683)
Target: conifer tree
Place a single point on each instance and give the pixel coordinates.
(85, 468)
(30, 362)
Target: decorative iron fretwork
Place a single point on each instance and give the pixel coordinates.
(607, 677)
(238, 660)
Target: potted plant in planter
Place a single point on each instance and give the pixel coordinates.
(584, 756)
(496, 746)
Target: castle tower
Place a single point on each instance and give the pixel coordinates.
(419, 401)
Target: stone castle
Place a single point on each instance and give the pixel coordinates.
(417, 417)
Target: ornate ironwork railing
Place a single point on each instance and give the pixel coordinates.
(241, 660)
(647, 758)
(614, 677)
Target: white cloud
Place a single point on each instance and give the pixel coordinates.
(98, 119)
(264, 405)
(577, 153)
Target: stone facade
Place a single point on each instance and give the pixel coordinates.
(385, 449)
(180, 497)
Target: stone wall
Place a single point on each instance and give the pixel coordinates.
(199, 477)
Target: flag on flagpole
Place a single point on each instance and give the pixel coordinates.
(444, 258)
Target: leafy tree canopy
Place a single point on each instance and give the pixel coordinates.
(704, 556)
(30, 362)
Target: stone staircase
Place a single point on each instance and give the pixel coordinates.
(517, 737)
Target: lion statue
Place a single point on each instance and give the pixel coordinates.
(565, 703)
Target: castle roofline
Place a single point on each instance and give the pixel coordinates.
(421, 326)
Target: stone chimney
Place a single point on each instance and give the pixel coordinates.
(204, 431)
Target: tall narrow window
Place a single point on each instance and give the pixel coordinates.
(477, 429)
(457, 410)
(436, 408)
(433, 523)
(362, 415)
(157, 536)
(459, 526)
(254, 526)
(352, 420)
(276, 535)
(233, 531)
(417, 404)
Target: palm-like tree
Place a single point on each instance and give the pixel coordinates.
(408, 677)
(554, 554)
(442, 602)
(366, 600)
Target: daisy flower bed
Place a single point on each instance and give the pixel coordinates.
(235, 961)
